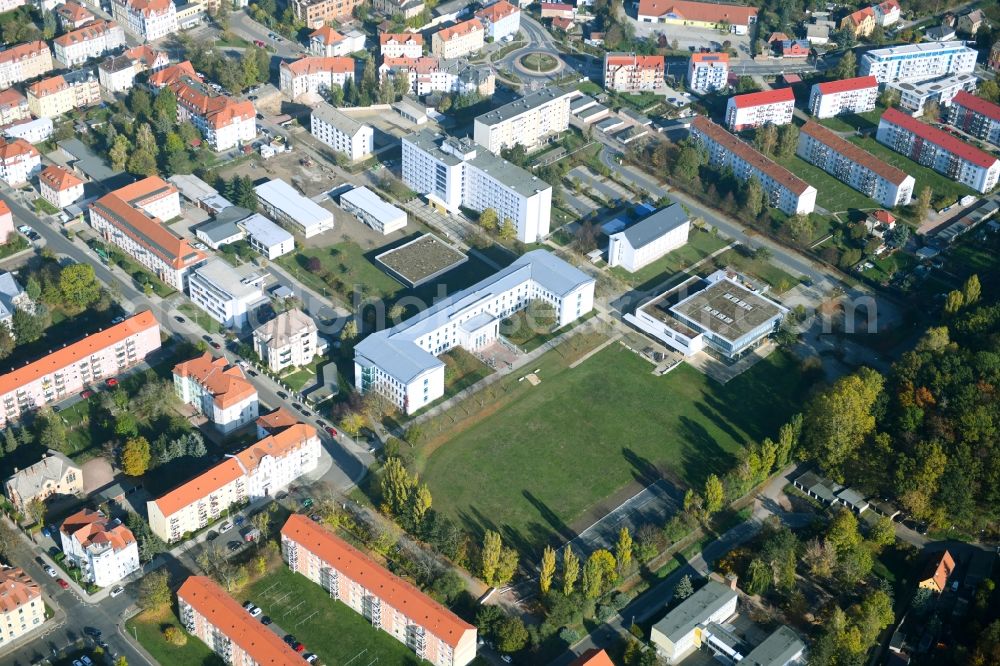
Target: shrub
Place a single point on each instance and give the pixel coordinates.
(604, 613)
(619, 600)
(569, 635)
(174, 636)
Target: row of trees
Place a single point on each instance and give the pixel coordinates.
(490, 223)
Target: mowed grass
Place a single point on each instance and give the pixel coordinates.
(942, 187)
(831, 194)
(548, 456)
(148, 628)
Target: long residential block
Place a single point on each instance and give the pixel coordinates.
(736, 19)
(938, 150)
(773, 107)
(915, 62)
(91, 41)
(341, 132)
(459, 40)
(23, 62)
(833, 98)
(391, 604)
(976, 116)
(785, 191)
(858, 168)
(527, 121)
(630, 72)
(314, 75)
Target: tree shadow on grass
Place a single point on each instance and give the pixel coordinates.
(550, 517)
(643, 469)
(702, 454)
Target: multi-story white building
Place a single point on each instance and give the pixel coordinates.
(59, 186)
(19, 161)
(833, 98)
(208, 613)
(263, 469)
(647, 240)
(282, 203)
(21, 606)
(887, 13)
(760, 108)
(501, 19)
(401, 362)
(849, 164)
(266, 237)
(23, 62)
(916, 62)
(708, 72)
(976, 116)
(91, 41)
(289, 340)
(33, 131)
(105, 551)
(371, 209)
(13, 106)
(146, 20)
(391, 604)
(314, 75)
(325, 42)
(628, 72)
(785, 191)
(679, 633)
(67, 371)
(913, 96)
(459, 40)
(341, 132)
(401, 45)
(116, 74)
(528, 121)
(938, 150)
(218, 390)
(427, 75)
(228, 296)
(453, 173)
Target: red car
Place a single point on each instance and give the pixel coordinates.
(86, 395)
(299, 647)
(111, 381)
(332, 431)
(63, 584)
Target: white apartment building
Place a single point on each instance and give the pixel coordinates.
(784, 190)
(401, 362)
(459, 40)
(24, 62)
(913, 96)
(146, 20)
(266, 237)
(59, 186)
(427, 75)
(19, 161)
(679, 633)
(68, 370)
(708, 72)
(453, 173)
(91, 41)
(218, 390)
(283, 204)
(760, 108)
(501, 19)
(116, 74)
(938, 150)
(314, 75)
(858, 168)
(833, 98)
(916, 62)
(371, 209)
(341, 132)
(289, 340)
(13, 106)
(976, 116)
(325, 42)
(262, 470)
(528, 121)
(33, 131)
(21, 606)
(401, 45)
(649, 239)
(105, 551)
(228, 296)
(629, 72)
(391, 604)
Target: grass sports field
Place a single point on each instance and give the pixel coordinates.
(588, 433)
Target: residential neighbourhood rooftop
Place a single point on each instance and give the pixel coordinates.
(853, 152)
(520, 105)
(682, 620)
(939, 137)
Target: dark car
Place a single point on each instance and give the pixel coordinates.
(282, 495)
(289, 639)
(93, 632)
(282, 395)
(321, 423)
(179, 319)
(265, 620)
(212, 535)
(233, 546)
(215, 345)
(206, 338)
(297, 406)
(315, 518)
(306, 412)
(251, 373)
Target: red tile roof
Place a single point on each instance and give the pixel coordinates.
(95, 30)
(853, 152)
(977, 104)
(23, 51)
(226, 383)
(710, 57)
(359, 567)
(327, 35)
(277, 420)
(846, 85)
(145, 191)
(48, 86)
(310, 65)
(16, 589)
(172, 74)
(58, 178)
(593, 657)
(421, 65)
(459, 30)
(940, 570)
(708, 12)
(74, 12)
(885, 217)
(16, 148)
(400, 38)
(764, 97)
(90, 527)
(939, 138)
(497, 11)
(633, 60)
(12, 97)
(147, 7)
(147, 56)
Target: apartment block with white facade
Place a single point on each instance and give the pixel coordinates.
(13, 106)
(68, 370)
(105, 551)
(428, 74)
(854, 166)
(59, 186)
(261, 470)
(289, 340)
(453, 173)
(326, 42)
(391, 604)
(928, 146)
(146, 20)
(501, 20)
(19, 161)
(23, 62)
(218, 390)
(459, 40)
(528, 120)
(22, 608)
(914, 95)
(227, 295)
(708, 72)
(916, 62)
(752, 110)
(401, 45)
(341, 132)
(833, 98)
(649, 239)
(402, 362)
(312, 75)
(630, 72)
(91, 41)
(784, 190)
(976, 116)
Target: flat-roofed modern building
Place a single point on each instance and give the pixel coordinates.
(226, 294)
(782, 647)
(760, 108)
(938, 150)
(283, 204)
(391, 604)
(854, 166)
(708, 72)
(341, 132)
(266, 237)
(218, 390)
(916, 62)
(528, 121)
(785, 191)
(401, 362)
(371, 209)
(679, 633)
(914, 95)
(649, 239)
(833, 98)
(976, 116)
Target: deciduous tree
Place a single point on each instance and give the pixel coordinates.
(154, 591)
(599, 573)
(837, 421)
(547, 570)
(623, 549)
(488, 220)
(571, 571)
(715, 494)
(489, 559)
(684, 588)
(135, 456)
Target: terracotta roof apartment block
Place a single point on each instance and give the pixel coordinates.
(93, 528)
(199, 487)
(747, 153)
(713, 58)
(400, 38)
(702, 12)
(327, 35)
(763, 98)
(459, 30)
(58, 178)
(497, 11)
(95, 30)
(311, 65)
(975, 116)
(16, 589)
(847, 85)
(14, 149)
(226, 383)
(147, 231)
(977, 104)
(854, 152)
(593, 657)
(939, 138)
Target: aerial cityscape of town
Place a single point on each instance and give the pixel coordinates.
(449, 332)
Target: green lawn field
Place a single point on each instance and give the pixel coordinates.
(548, 456)
(148, 628)
(943, 188)
(831, 194)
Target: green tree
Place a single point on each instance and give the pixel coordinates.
(753, 197)
(420, 504)
(369, 80)
(511, 635)
(971, 290)
(508, 231)
(507, 566)
(51, 429)
(547, 570)
(684, 588)
(922, 205)
(765, 138)
(882, 532)
(854, 564)
(847, 68)
(135, 456)
(837, 421)
(715, 494)
(7, 342)
(79, 285)
(165, 106)
(37, 510)
(154, 592)
(139, 103)
(118, 154)
(27, 327)
(623, 549)
(9, 440)
(571, 571)
(843, 533)
(349, 332)
(142, 163)
(788, 140)
(489, 559)
(953, 302)
(488, 220)
(249, 71)
(689, 161)
(989, 90)
(599, 573)
(758, 577)
(397, 485)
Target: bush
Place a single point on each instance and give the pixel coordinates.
(174, 636)
(619, 600)
(569, 635)
(604, 613)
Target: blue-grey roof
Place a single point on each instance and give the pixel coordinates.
(694, 610)
(655, 226)
(781, 647)
(9, 290)
(218, 230)
(265, 231)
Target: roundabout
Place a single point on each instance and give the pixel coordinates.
(538, 63)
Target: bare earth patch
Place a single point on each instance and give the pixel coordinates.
(97, 473)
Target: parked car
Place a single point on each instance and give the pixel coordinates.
(315, 517)
(215, 345)
(93, 632)
(239, 520)
(226, 526)
(86, 661)
(77, 662)
(63, 584)
(179, 319)
(45, 532)
(299, 647)
(118, 320)
(116, 590)
(310, 657)
(212, 535)
(247, 605)
(111, 381)
(233, 546)
(289, 639)
(332, 431)
(265, 620)
(256, 612)
(282, 395)
(50, 571)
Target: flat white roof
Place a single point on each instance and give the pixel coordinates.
(281, 196)
(373, 204)
(227, 278)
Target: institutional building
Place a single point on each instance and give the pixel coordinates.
(913, 96)
(91, 41)
(314, 13)
(19, 161)
(23, 62)
(402, 362)
(208, 612)
(372, 210)
(938, 150)
(454, 173)
(228, 296)
(21, 605)
(528, 121)
(736, 19)
(52, 97)
(649, 239)
(858, 168)
(502, 20)
(391, 604)
(262, 470)
(146, 20)
(341, 132)
(784, 190)
(105, 551)
(289, 340)
(752, 110)
(459, 40)
(325, 42)
(282, 203)
(629, 72)
(314, 75)
(70, 369)
(678, 633)
(708, 72)
(401, 45)
(59, 186)
(916, 62)
(218, 390)
(833, 98)
(266, 237)
(975, 116)
(54, 474)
